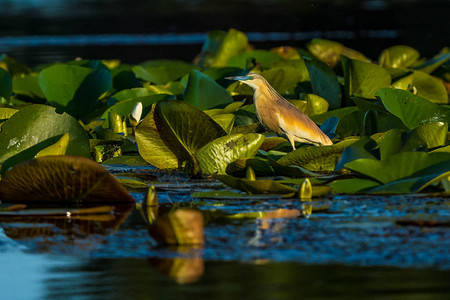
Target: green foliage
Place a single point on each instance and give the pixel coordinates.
(204, 93)
(74, 89)
(35, 124)
(389, 126)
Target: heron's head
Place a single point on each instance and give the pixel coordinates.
(251, 79)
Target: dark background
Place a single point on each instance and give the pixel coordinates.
(368, 26)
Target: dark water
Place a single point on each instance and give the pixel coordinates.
(368, 26)
(357, 246)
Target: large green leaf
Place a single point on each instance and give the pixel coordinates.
(434, 134)
(125, 107)
(74, 89)
(263, 57)
(28, 86)
(364, 79)
(215, 156)
(323, 158)
(204, 93)
(61, 178)
(172, 132)
(413, 110)
(324, 82)
(430, 87)
(220, 46)
(402, 165)
(132, 93)
(5, 84)
(398, 56)
(352, 186)
(162, 71)
(36, 123)
(363, 148)
(282, 79)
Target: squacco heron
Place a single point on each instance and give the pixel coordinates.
(280, 116)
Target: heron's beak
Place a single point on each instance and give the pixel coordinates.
(240, 78)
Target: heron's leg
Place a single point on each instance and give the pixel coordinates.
(291, 139)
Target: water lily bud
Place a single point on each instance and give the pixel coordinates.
(306, 189)
(136, 114)
(250, 174)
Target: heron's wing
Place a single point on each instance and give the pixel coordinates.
(295, 123)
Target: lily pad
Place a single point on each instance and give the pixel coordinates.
(215, 156)
(263, 57)
(324, 82)
(27, 86)
(413, 110)
(220, 46)
(434, 134)
(204, 93)
(430, 87)
(172, 132)
(402, 165)
(398, 56)
(61, 178)
(74, 89)
(125, 107)
(323, 158)
(36, 123)
(364, 79)
(162, 71)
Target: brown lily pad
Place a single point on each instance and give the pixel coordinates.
(61, 178)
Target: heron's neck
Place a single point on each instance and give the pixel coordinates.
(265, 91)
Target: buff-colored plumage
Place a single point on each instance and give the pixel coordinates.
(280, 116)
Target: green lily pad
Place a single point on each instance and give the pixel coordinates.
(315, 105)
(28, 86)
(225, 121)
(124, 78)
(430, 87)
(220, 46)
(330, 51)
(323, 158)
(125, 107)
(215, 156)
(399, 56)
(402, 165)
(363, 148)
(364, 79)
(263, 57)
(434, 134)
(324, 82)
(162, 71)
(6, 112)
(36, 123)
(352, 186)
(74, 89)
(282, 79)
(204, 93)
(5, 84)
(132, 93)
(413, 110)
(61, 178)
(172, 132)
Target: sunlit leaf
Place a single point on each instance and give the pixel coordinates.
(215, 156)
(162, 71)
(263, 57)
(59, 148)
(430, 87)
(34, 124)
(434, 134)
(364, 79)
(413, 110)
(399, 56)
(61, 178)
(323, 158)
